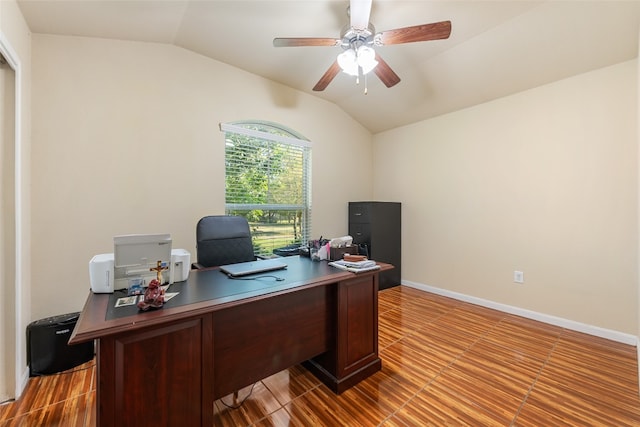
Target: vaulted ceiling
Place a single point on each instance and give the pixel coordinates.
(496, 48)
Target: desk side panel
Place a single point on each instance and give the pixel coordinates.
(358, 324)
(354, 356)
(154, 374)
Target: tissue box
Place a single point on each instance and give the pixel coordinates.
(337, 253)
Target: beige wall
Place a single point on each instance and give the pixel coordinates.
(126, 140)
(544, 181)
(15, 45)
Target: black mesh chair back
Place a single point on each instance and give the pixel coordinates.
(223, 239)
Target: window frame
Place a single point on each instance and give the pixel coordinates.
(273, 133)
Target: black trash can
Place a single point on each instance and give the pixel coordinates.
(48, 351)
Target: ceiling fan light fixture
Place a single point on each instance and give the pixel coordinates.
(366, 59)
(348, 62)
(351, 60)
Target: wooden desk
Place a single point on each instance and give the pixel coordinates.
(169, 365)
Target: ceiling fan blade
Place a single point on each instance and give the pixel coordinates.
(385, 73)
(419, 33)
(359, 11)
(304, 41)
(328, 76)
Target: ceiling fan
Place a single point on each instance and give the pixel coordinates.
(357, 41)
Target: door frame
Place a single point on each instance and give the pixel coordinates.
(21, 303)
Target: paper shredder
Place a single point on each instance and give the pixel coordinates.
(48, 351)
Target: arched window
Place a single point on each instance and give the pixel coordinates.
(268, 181)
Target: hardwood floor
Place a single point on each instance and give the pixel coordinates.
(445, 363)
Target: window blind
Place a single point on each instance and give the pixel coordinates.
(267, 180)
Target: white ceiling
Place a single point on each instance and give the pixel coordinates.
(496, 47)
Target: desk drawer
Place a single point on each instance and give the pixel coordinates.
(359, 212)
(361, 233)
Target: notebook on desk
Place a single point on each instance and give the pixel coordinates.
(252, 267)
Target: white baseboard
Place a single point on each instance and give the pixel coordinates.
(24, 379)
(541, 317)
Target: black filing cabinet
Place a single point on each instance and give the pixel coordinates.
(378, 225)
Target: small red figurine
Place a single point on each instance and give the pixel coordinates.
(154, 294)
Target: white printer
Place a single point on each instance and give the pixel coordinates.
(102, 271)
(180, 265)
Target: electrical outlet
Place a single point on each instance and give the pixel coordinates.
(518, 276)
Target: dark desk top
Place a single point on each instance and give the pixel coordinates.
(204, 291)
(212, 284)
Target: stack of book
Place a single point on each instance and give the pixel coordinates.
(355, 266)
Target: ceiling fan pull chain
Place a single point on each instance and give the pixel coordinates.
(357, 66)
(365, 84)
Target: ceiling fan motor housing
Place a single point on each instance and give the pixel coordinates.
(353, 38)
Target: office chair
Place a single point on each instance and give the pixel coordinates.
(221, 240)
